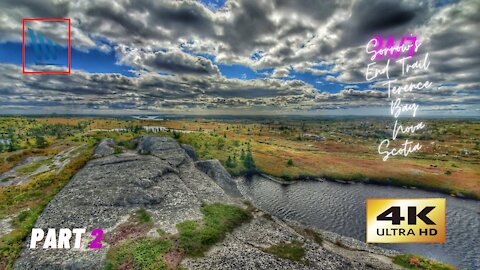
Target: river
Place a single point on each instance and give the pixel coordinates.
(340, 208)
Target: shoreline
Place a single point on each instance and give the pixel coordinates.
(389, 183)
(294, 194)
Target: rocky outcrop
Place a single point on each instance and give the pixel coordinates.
(104, 148)
(5, 226)
(245, 249)
(217, 172)
(162, 178)
(190, 151)
(164, 148)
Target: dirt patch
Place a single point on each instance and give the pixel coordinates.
(128, 230)
(128, 265)
(172, 259)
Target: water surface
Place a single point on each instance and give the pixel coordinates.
(341, 208)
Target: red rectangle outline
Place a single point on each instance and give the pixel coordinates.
(23, 46)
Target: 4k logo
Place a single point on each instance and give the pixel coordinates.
(406, 220)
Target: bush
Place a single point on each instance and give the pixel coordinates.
(41, 142)
(290, 162)
(143, 216)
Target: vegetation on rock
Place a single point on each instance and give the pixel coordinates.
(194, 238)
(420, 263)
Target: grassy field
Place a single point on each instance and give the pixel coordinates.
(344, 149)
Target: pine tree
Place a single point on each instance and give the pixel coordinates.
(249, 163)
(231, 163)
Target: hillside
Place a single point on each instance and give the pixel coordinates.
(159, 211)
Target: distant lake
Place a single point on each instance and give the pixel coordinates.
(340, 208)
(5, 141)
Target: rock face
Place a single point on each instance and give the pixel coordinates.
(217, 172)
(190, 151)
(104, 148)
(162, 178)
(244, 249)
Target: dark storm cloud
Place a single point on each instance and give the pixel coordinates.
(144, 22)
(38, 8)
(384, 15)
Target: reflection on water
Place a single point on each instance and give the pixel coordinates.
(341, 208)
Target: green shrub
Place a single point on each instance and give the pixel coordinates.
(143, 216)
(290, 162)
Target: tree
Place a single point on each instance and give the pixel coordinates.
(249, 163)
(231, 163)
(2, 147)
(41, 142)
(242, 156)
(13, 145)
(290, 162)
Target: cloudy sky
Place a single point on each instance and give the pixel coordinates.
(240, 56)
